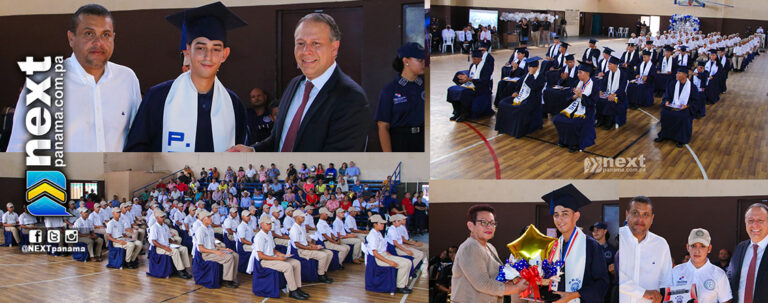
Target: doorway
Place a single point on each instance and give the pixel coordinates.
(652, 22)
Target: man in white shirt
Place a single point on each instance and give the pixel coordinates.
(377, 246)
(277, 229)
(159, 237)
(350, 224)
(116, 233)
(326, 234)
(396, 238)
(101, 97)
(309, 251)
(230, 224)
(86, 235)
(27, 222)
(288, 220)
(206, 244)
(645, 263)
(710, 280)
(11, 222)
(309, 223)
(97, 220)
(749, 268)
(403, 231)
(347, 238)
(264, 252)
(448, 33)
(250, 172)
(216, 219)
(245, 232)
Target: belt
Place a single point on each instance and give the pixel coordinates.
(408, 129)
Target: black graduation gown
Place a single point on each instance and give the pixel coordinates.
(595, 280)
(146, 134)
(519, 120)
(699, 109)
(642, 94)
(616, 110)
(687, 63)
(556, 99)
(677, 125)
(661, 80)
(579, 131)
(726, 68)
(714, 87)
(631, 64)
(592, 55)
(506, 88)
(477, 102)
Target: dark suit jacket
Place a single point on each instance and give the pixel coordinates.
(734, 273)
(337, 121)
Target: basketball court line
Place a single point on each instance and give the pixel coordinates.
(57, 279)
(496, 165)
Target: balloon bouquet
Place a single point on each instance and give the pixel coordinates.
(532, 260)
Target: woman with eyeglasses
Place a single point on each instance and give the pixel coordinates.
(477, 263)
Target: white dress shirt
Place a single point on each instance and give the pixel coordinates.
(317, 85)
(376, 241)
(98, 116)
(244, 231)
(745, 264)
(10, 218)
(159, 233)
(264, 243)
(711, 282)
(83, 226)
(393, 235)
(298, 235)
(338, 227)
(646, 265)
(114, 228)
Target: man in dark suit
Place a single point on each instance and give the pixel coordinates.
(322, 110)
(748, 270)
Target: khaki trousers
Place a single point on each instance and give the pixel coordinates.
(342, 249)
(15, 232)
(291, 269)
(179, 256)
(403, 268)
(132, 248)
(229, 261)
(323, 257)
(90, 243)
(355, 242)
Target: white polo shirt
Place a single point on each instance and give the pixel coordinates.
(115, 229)
(83, 226)
(277, 228)
(244, 230)
(230, 223)
(323, 229)
(376, 241)
(393, 235)
(204, 236)
(338, 227)
(298, 235)
(264, 243)
(711, 281)
(10, 218)
(159, 233)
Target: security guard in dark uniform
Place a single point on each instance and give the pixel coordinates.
(259, 112)
(400, 113)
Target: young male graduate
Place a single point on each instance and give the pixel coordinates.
(520, 113)
(515, 67)
(471, 96)
(683, 59)
(700, 80)
(665, 71)
(574, 124)
(640, 93)
(591, 54)
(194, 112)
(676, 118)
(556, 95)
(612, 103)
(630, 58)
(585, 275)
(714, 82)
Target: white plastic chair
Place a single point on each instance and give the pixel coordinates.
(610, 32)
(626, 32)
(448, 43)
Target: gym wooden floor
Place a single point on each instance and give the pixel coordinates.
(731, 142)
(44, 278)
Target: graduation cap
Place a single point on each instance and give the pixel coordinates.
(533, 62)
(649, 42)
(569, 57)
(211, 21)
(669, 48)
(586, 67)
(477, 53)
(607, 50)
(646, 53)
(614, 60)
(701, 62)
(683, 48)
(564, 45)
(568, 196)
(556, 37)
(713, 51)
(722, 49)
(630, 44)
(683, 69)
(592, 41)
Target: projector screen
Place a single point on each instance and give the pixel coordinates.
(483, 17)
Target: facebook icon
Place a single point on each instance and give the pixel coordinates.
(35, 236)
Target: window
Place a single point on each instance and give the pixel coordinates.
(75, 191)
(413, 23)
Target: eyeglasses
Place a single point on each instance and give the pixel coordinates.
(486, 223)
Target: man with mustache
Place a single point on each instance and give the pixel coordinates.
(194, 112)
(749, 267)
(322, 110)
(101, 98)
(645, 264)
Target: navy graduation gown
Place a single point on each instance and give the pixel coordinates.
(591, 56)
(714, 87)
(677, 125)
(477, 102)
(595, 280)
(146, 134)
(577, 131)
(661, 80)
(636, 59)
(556, 99)
(642, 94)
(617, 110)
(520, 120)
(506, 88)
(699, 109)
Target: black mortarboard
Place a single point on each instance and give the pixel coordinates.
(646, 53)
(713, 51)
(585, 66)
(568, 196)
(533, 62)
(614, 60)
(556, 37)
(593, 41)
(682, 69)
(564, 45)
(607, 50)
(211, 21)
(649, 42)
(477, 53)
(701, 62)
(600, 225)
(568, 57)
(669, 48)
(630, 44)
(722, 49)
(683, 48)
